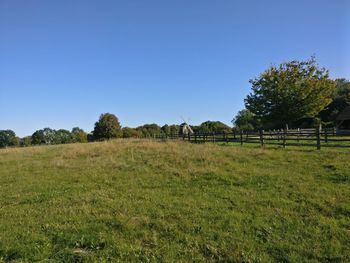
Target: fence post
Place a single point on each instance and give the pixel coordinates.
(326, 135)
(241, 137)
(284, 137)
(261, 133)
(318, 137)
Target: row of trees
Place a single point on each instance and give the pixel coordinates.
(107, 127)
(43, 136)
(297, 93)
(148, 130)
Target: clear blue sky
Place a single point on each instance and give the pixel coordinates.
(64, 62)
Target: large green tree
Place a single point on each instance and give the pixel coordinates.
(8, 138)
(44, 136)
(107, 127)
(294, 90)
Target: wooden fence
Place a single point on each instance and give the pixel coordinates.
(300, 137)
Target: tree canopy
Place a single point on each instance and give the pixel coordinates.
(170, 129)
(44, 136)
(78, 135)
(246, 120)
(130, 132)
(8, 138)
(148, 130)
(26, 141)
(294, 90)
(340, 99)
(107, 127)
(212, 127)
(63, 136)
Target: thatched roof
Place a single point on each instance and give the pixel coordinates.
(344, 115)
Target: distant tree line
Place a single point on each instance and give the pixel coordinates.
(43, 136)
(149, 130)
(296, 94)
(107, 127)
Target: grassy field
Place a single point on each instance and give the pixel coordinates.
(144, 201)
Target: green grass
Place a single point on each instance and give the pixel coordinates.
(144, 201)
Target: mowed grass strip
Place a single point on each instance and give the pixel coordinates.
(147, 201)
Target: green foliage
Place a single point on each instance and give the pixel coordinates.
(63, 136)
(107, 127)
(308, 123)
(78, 135)
(212, 127)
(340, 99)
(170, 129)
(130, 132)
(50, 136)
(16, 141)
(26, 141)
(294, 90)
(8, 138)
(165, 129)
(146, 201)
(342, 91)
(38, 137)
(174, 129)
(149, 130)
(246, 120)
(44, 136)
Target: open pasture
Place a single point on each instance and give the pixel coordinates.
(148, 201)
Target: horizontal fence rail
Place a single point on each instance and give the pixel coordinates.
(301, 137)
